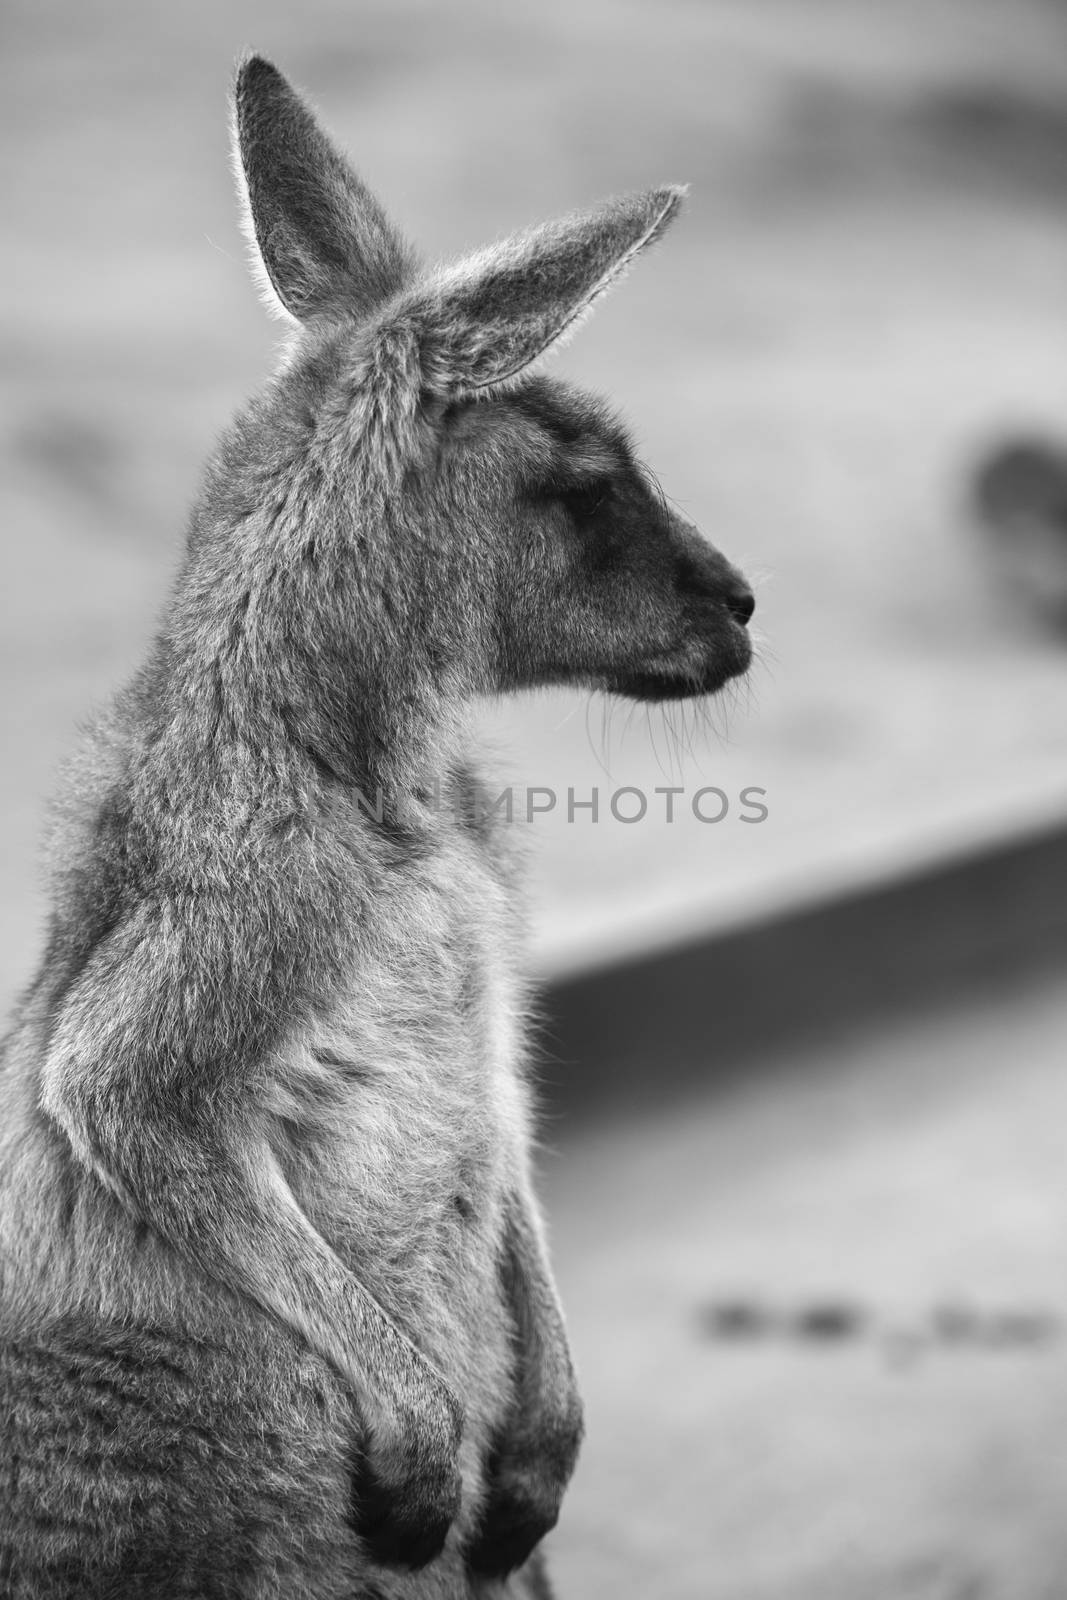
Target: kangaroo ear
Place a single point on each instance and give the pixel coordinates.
(321, 242)
(482, 322)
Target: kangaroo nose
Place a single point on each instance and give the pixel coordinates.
(741, 603)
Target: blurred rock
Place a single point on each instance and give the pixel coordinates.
(1020, 495)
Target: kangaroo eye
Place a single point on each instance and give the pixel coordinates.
(585, 500)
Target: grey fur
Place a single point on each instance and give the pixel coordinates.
(481, 323)
(323, 240)
(276, 1314)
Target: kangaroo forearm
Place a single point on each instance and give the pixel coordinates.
(220, 1199)
(199, 1169)
(537, 1444)
(181, 1148)
(545, 1380)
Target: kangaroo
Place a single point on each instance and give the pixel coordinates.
(276, 1313)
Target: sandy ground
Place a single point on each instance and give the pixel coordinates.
(868, 286)
(821, 1320)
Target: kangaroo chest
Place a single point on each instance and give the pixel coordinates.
(407, 1111)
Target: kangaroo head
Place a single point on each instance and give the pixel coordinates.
(468, 521)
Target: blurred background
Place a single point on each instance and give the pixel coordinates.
(804, 1078)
